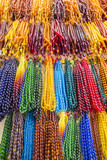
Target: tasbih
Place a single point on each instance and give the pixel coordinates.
(102, 122)
(26, 103)
(96, 135)
(18, 83)
(96, 40)
(70, 88)
(92, 87)
(16, 142)
(103, 73)
(86, 141)
(39, 140)
(59, 38)
(48, 101)
(36, 39)
(71, 145)
(63, 120)
(20, 9)
(6, 85)
(29, 131)
(38, 91)
(60, 91)
(98, 82)
(4, 29)
(101, 27)
(5, 141)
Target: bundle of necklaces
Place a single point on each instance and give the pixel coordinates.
(53, 79)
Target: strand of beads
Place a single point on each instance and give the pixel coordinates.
(6, 85)
(102, 122)
(103, 5)
(48, 101)
(29, 131)
(5, 141)
(70, 88)
(103, 73)
(82, 90)
(4, 10)
(71, 145)
(28, 88)
(38, 91)
(59, 37)
(18, 83)
(86, 141)
(60, 92)
(98, 82)
(36, 39)
(96, 136)
(95, 98)
(63, 120)
(39, 140)
(16, 142)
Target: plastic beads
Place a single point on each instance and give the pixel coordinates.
(95, 98)
(96, 136)
(86, 141)
(70, 88)
(36, 39)
(59, 38)
(60, 91)
(97, 79)
(47, 144)
(16, 142)
(71, 145)
(5, 141)
(26, 103)
(6, 85)
(48, 101)
(29, 131)
(103, 73)
(38, 91)
(102, 122)
(18, 83)
(4, 9)
(62, 123)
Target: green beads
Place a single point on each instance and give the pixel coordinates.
(32, 89)
(70, 88)
(28, 88)
(5, 142)
(71, 146)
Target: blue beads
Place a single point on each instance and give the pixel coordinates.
(29, 131)
(7, 77)
(86, 141)
(60, 92)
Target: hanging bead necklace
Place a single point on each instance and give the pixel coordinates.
(97, 79)
(28, 88)
(102, 122)
(29, 131)
(96, 136)
(38, 91)
(16, 142)
(18, 83)
(5, 141)
(71, 145)
(70, 88)
(60, 92)
(48, 101)
(6, 85)
(86, 141)
(103, 73)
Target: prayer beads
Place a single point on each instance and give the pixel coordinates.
(60, 91)
(48, 101)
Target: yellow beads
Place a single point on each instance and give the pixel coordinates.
(102, 121)
(103, 73)
(48, 101)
